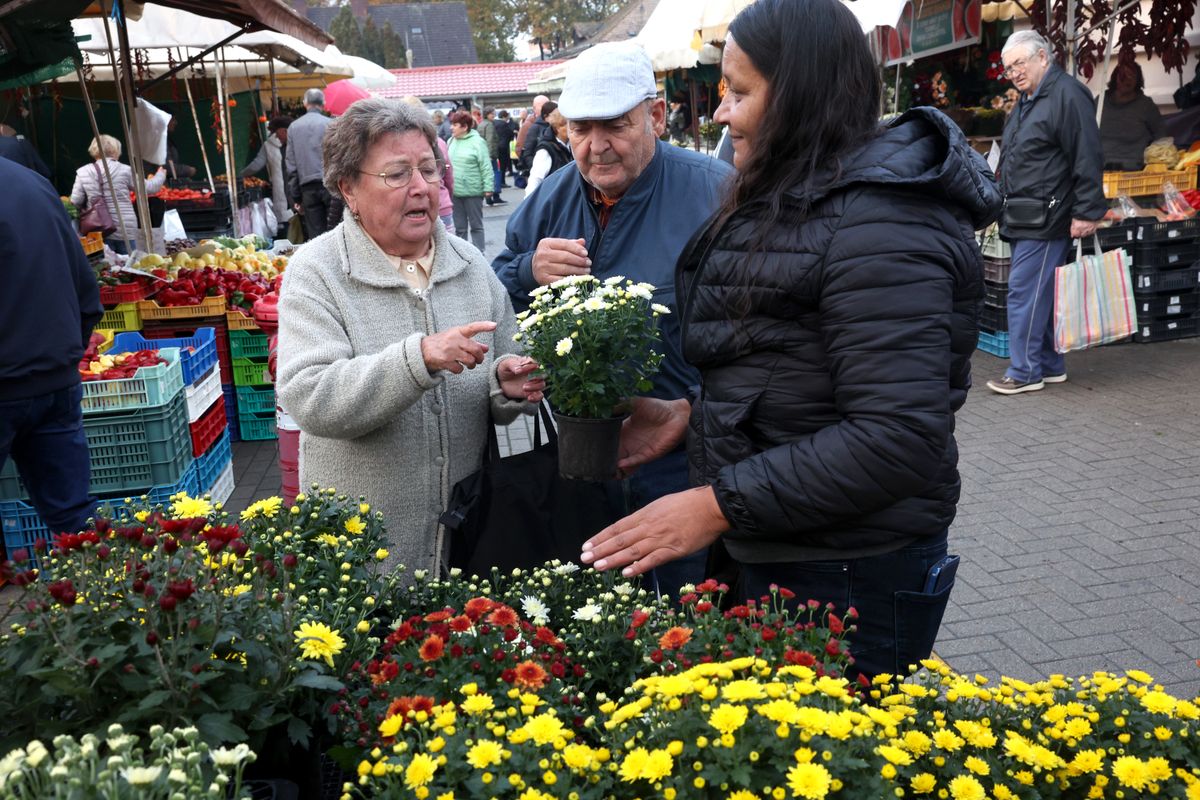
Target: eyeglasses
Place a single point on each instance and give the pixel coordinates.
(432, 173)
(1016, 67)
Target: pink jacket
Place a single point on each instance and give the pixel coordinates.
(445, 203)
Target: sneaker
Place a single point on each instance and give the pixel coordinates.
(1007, 385)
(499, 203)
(1054, 378)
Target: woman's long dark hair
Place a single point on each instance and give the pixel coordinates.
(823, 98)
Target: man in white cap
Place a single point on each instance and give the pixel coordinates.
(628, 208)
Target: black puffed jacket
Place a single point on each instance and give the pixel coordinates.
(835, 351)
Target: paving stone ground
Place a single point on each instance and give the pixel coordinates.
(1079, 524)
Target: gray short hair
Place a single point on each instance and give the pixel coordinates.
(1030, 39)
(314, 97)
(350, 136)
(110, 145)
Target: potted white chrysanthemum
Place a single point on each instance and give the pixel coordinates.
(596, 344)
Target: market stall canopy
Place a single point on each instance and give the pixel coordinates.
(669, 36)
(367, 74)
(275, 15)
(716, 16)
(36, 41)
(242, 62)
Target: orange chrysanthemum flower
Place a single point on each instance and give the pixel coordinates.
(460, 624)
(546, 636)
(530, 676)
(478, 606)
(675, 638)
(503, 616)
(432, 648)
(438, 616)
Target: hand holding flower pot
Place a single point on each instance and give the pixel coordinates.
(595, 343)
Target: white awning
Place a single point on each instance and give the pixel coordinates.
(669, 36)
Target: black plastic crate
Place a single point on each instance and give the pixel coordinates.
(205, 219)
(993, 318)
(1166, 256)
(1162, 330)
(1151, 230)
(1154, 281)
(1162, 306)
(995, 294)
(996, 270)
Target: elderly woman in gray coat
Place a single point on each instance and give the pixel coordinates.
(395, 339)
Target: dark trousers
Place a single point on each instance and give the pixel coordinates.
(659, 478)
(315, 200)
(506, 165)
(897, 622)
(44, 435)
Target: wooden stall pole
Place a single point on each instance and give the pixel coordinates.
(187, 85)
(112, 189)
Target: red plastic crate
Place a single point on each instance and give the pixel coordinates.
(209, 427)
(172, 329)
(126, 292)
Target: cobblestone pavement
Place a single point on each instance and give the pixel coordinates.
(1079, 524)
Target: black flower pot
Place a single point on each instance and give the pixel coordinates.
(588, 447)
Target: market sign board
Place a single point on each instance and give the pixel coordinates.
(928, 27)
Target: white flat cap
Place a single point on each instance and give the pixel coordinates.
(607, 80)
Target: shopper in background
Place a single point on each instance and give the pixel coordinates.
(831, 308)
(49, 305)
(270, 155)
(504, 136)
(17, 148)
(472, 177)
(91, 185)
(531, 133)
(1130, 120)
(487, 129)
(1050, 174)
(394, 337)
(552, 154)
(304, 166)
(627, 206)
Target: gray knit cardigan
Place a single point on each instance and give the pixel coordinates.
(373, 420)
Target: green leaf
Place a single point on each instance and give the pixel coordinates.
(315, 680)
(298, 731)
(219, 728)
(155, 698)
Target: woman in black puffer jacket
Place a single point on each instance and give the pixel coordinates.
(831, 308)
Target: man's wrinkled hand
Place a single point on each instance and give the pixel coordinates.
(555, 259)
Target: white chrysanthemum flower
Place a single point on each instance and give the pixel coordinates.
(614, 280)
(638, 290)
(177, 776)
(141, 776)
(529, 321)
(569, 292)
(588, 613)
(659, 308)
(225, 757)
(566, 569)
(539, 291)
(594, 304)
(35, 753)
(533, 608)
(119, 743)
(564, 346)
(59, 771)
(623, 589)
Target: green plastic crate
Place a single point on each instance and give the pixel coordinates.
(248, 344)
(149, 386)
(251, 372)
(253, 400)
(257, 427)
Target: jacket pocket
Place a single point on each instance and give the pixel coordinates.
(723, 431)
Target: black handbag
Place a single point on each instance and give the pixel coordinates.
(518, 512)
(1025, 212)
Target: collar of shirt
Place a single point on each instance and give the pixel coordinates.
(415, 271)
(604, 205)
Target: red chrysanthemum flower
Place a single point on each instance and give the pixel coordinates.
(438, 616)
(432, 648)
(503, 616)
(639, 618)
(530, 676)
(546, 636)
(460, 624)
(476, 607)
(675, 638)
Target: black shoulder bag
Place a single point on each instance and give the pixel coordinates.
(518, 512)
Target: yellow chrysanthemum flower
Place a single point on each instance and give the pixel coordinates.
(923, 783)
(977, 765)
(420, 771)
(728, 718)
(544, 729)
(810, 781)
(1131, 771)
(577, 756)
(743, 794)
(327, 539)
(895, 755)
(1158, 702)
(391, 726)
(478, 704)
(965, 787)
(318, 641)
(355, 525)
(185, 507)
(740, 691)
(484, 753)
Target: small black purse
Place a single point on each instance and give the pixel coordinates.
(1025, 212)
(518, 512)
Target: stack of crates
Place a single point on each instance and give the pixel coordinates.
(139, 442)
(993, 318)
(208, 430)
(254, 387)
(1165, 268)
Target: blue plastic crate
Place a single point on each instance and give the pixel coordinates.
(196, 363)
(22, 526)
(210, 464)
(994, 343)
(231, 412)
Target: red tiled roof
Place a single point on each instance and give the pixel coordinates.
(464, 80)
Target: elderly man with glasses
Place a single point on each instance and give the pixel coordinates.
(1050, 173)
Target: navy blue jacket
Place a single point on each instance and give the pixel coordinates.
(50, 301)
(22, 152)
(646, 231)
(835, 348)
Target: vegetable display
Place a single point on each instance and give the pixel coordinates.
(114, 367)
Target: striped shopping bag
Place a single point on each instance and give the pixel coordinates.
(1093, 300)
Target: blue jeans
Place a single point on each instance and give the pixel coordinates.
(665, 476)
(45, 437)
(1031, 309)
(897, 622)
(497, 179)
